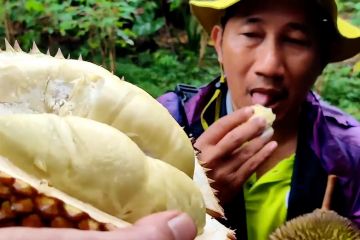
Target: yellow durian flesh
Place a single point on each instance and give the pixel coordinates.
(43, 189)
(37, 83)
(98, 165)
(263, 112)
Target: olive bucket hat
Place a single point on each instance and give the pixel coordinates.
(346, 43)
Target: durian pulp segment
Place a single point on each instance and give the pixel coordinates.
(42, 186)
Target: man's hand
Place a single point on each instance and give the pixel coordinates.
(171, 225)
(222, 150)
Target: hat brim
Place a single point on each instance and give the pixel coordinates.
(346, 45)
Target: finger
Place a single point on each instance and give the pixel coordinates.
(250, 166)
(213, 156)
(171, 225)
(222, 126)
(166, 226)
(240, 135)
(162, 217)
(243, 154)
(249, 149)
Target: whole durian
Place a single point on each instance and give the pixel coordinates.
(318, 225)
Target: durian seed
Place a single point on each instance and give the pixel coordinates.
(47, 206)
(60, 222)
(6, 212)
(22, 206)
(6, 179)
(32, 220)
(5, 192)
(73, 213)
(23, 188)
(88, 224)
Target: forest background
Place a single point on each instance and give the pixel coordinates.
(154, 44)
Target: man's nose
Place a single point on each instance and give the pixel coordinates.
(269, 61)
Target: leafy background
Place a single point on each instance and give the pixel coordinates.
(154, 43)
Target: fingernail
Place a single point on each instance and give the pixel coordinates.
(268, 133)
(182, 227)
(273, 145)
(248, 110)
(259, 120)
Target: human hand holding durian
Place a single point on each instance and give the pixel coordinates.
(88, 150)
(234, 146)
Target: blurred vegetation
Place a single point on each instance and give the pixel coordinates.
(340, 82)
(154, 44)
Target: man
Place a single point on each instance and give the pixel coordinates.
(271, 53)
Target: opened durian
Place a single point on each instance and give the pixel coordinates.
(81, 148)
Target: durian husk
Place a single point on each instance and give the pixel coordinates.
(213, 207)
(100, 220)
(321, 224)
(34, 83)
(318, 225)
(47, 74)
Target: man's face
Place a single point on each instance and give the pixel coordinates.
(269, 54)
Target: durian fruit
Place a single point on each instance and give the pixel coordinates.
(98, 165)
(321, 224)
(38, 83)
(318, 225)
(77, 137)
(30, 202)
(264, 112)
(39, 205)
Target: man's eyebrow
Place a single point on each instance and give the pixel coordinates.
(298, 27)
(253, 20)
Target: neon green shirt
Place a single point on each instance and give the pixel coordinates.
(266, 199)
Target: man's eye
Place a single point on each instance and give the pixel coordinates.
(297, 41)
(251, 34)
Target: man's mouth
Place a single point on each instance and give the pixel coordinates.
(267, 97)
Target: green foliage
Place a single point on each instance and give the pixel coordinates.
(70, 18)
(175, 4)
(160, 71)
(92, 27)
(146, 24)
(193, 31)
(340, 86)
(350, 9)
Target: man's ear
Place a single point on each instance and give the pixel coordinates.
(216, 38)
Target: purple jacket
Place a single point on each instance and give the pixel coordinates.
(329, 143)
